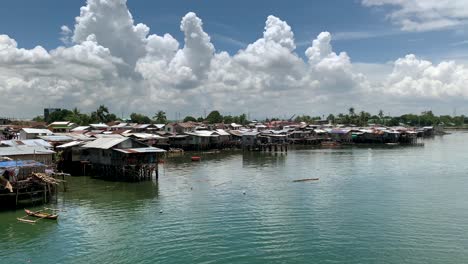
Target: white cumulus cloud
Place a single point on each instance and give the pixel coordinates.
(110, 59)
(417, 15)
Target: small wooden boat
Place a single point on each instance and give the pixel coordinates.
(304, 180)
(40, 214)
(330, 144)
(196, 158)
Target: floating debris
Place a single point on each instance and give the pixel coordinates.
(304, 180)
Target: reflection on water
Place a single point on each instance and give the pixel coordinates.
(370, 205)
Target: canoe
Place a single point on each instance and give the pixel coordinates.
(40, 214)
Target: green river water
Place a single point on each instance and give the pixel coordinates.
(371, 205)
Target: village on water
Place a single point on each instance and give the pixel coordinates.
(36, 156)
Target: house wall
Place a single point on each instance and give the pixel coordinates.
(249, 140)
(23, 135)
(46, 159)
(97, 156)
(169, 128)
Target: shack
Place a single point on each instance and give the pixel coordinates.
(120, 158)
(180, 128)
(24, 182)
(250, 139)
(25, 152)
(32, 133)
(341, 135)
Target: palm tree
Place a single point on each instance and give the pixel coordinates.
(102, 113)
(160, 117)
(75, 116)
(364, 117)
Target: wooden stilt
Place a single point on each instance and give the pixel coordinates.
(17, 190)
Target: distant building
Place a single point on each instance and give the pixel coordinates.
(61, 126)
(33, 133)
(180, 127)
(48, 111)
(4, 121)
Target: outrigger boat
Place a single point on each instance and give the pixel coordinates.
(39, 214)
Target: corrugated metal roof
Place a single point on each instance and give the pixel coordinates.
(108, 136)
(120, 125)
(70, 144)
(60, 123)
(251, 133)
(105, 142)
(57, 138)
(143, 135)
(141, 150)
(24, 150)
(77, 136)
(222, 132)
(202, 133)
(99, 125)
(27, 142)
(80, 128)
(142, 126)
(37, 131)
(235, 133)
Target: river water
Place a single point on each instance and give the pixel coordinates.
(370, 205)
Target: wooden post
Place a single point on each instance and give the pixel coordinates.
(45, 193)
(17, 190)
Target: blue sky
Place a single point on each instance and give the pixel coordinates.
(363, 32)
(398, 56)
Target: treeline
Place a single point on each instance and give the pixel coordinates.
(362, 118)
(102, 115)
(215, 117)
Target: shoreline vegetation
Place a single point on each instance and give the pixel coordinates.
(353, 117)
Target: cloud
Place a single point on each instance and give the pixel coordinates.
(10, 54)
(111, 60)
(414, 15)
(65, 34)
(113, 27)
(420, 78)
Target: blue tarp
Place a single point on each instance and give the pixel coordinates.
(20, 163)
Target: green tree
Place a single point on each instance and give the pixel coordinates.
(38, 119)
(363, 118)
(243, 119)
(58, 116)
(214, 117)
(190, 119)
(139, 118)
(75, 116)
(160, 117)
(102, 115)
(228, 119)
